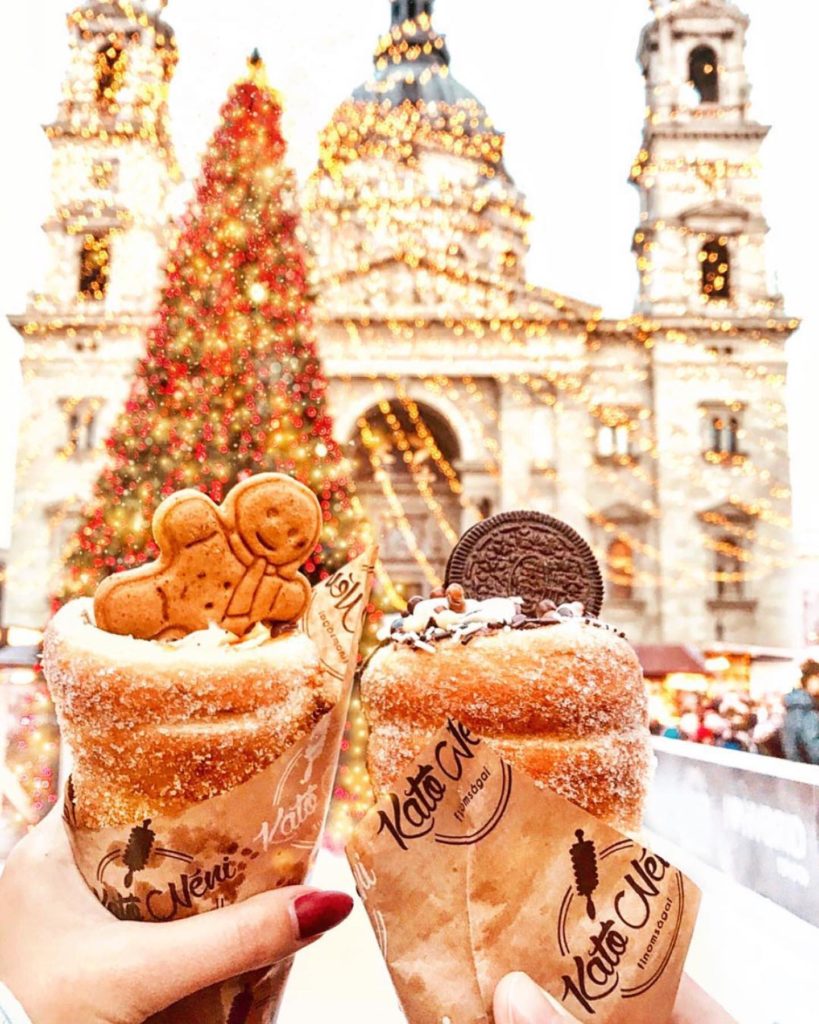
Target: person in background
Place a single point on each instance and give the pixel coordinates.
(731, 739)
(736, 710)
(689, 725)
(704, 734)
(712, 720)
(800, 730)
(766, 737)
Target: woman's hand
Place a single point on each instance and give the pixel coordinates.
(68, 961)
(518, 1000)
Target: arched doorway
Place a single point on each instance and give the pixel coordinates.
(405, 461)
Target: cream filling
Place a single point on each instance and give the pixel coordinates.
(214, 637)
(495, 611)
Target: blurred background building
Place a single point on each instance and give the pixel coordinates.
(466, 390)
(461, 388)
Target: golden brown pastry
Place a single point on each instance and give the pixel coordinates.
(564, 702)
(168, 686)
(154, 726)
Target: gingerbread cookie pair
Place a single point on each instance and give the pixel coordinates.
(234, 564)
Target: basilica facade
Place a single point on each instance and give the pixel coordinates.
(461, 388)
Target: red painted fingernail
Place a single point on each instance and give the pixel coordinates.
(318, 912)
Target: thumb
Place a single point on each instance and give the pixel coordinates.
(518, 1000)
(181, 957)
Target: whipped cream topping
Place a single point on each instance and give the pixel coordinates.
(434, 618)
(215, 637)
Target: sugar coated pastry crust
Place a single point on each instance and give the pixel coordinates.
(564, 702)
(157, 726)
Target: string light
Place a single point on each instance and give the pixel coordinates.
(372, 443)
(29, 752)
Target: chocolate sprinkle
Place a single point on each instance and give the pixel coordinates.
(423, 640)
(529, 554)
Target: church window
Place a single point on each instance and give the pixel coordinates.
(81, 421)
(102, 174)
(109, 72)
(715, 264)
(723, 433)
(615, 435)
(95, 258)
(620, 564)
(733, 435)
(73, 429)
(729, 574)
(703, 73)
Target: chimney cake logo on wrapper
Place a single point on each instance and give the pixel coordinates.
(412, 813)
(619, 922)
(185, 882)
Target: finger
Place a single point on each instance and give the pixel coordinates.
(47, 842)
(45, 854)
(181, 957)
(518, 1000)
(695, 1006)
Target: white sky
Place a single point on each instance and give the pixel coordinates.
(559, 78)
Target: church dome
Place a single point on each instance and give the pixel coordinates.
(413, 101)
(137, 15)
(412, 65)
(411, 207)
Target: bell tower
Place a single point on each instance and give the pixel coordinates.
(700, 245)
(715, 332)
(107, 230)
(407, 10)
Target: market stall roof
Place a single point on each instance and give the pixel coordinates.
(660, 660)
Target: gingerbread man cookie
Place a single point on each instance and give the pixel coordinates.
(234, 564)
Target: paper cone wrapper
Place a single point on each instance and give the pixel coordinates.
(258, 836)
(469, 871)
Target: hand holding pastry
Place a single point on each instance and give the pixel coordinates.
(66, 960)
(205, 724)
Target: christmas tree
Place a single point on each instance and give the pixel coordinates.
(230, 383)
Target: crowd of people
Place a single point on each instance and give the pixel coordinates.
(776, 725)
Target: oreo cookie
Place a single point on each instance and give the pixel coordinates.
(528, 555)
